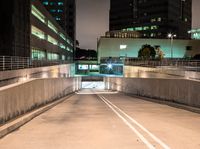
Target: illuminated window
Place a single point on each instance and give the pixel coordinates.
(159, 19)
(154, 27)
(60, 3)
(145, 27)
(63, 36)
(153, 20)
(52, 10)
(52, 40)
(52, 3)
(37, 54)
(63, 57)
(62, 46)
(122, 47)
(52, 56)
(37, 14)
(138, 28)
(51, 26)
(45, 3)
(58, 18)
(37, 32)
(60, 11)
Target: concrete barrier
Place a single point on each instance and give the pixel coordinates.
(175, 90)
(21, 98)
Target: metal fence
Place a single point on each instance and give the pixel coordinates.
(14, 62)
(181, 63)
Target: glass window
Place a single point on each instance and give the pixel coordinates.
(37, 32)
(62, 46)
(63, 36)
(45, 3)
(51, 26)
(52, 10)
(52, 56)
(37, 54)
(37, 14)
(60, 4)
(52, 40)
(63, 57)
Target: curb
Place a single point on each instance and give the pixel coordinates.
(13, 125)
(171, 104)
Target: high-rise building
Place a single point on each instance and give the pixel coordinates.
(152, 18)
(28, 30)
(15, 28)
(64, 12)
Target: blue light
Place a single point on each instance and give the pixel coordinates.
(110, 66)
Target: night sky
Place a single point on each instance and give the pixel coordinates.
(93, 20)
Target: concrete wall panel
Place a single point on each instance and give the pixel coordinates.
(175, 90)
(18, 99)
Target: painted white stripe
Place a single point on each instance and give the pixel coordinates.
(139, 125)
(144, 140)
(90, 93)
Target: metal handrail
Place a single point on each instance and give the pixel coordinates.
(15, 62)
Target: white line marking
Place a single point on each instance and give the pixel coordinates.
(139, 125)
(149, 145)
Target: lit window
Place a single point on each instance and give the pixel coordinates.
(159, 19)
(52, 3)
(52, 40)
(60, 3)
(52, 56)
(60, 11)
(122, 47)
(58, 19)
(37, 54)
(45, 3)
(154, 27)
(51, 26)
(62, 46)
(37, 14)
(153, 20)
(37, 32)
(52, 10)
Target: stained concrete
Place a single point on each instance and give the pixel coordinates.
(85, 121)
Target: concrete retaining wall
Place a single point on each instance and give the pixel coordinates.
(175, 90)
(18, 99)
(13, 76)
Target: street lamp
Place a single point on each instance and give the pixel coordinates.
(171, 36)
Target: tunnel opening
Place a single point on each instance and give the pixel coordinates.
(92, 83)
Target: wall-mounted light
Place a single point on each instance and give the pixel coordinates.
(122, 47)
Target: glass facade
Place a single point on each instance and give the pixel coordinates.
(37, 14)
(38, 54)
(37, 32)
(48, 33)
(52, 56)
(195, 34)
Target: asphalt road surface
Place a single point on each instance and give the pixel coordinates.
(96, 119)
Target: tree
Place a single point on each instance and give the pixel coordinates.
(147, 52)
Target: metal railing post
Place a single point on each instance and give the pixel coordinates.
(3, 63)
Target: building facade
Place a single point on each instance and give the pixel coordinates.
(195, 33)
(48, 40)
(152, 18)
(129, 47)
(64, 12)
(30, 31)
(15, 28)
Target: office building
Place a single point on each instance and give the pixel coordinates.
(152, 18)
(129, 47)
(195, 33)
(15, 28)
(30, 31)
(64, 12)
